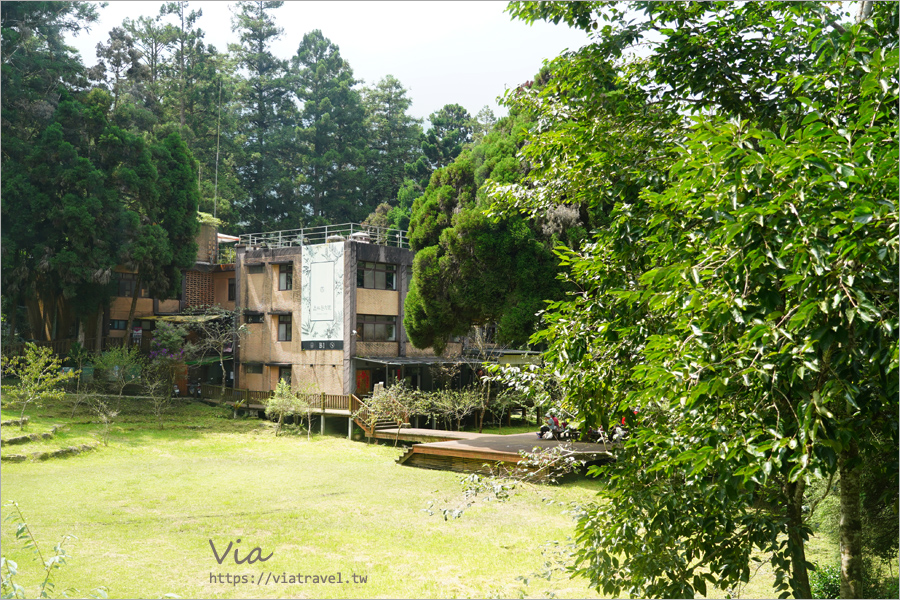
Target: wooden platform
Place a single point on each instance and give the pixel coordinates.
(336, 412)
(423, 436)
(481, 452)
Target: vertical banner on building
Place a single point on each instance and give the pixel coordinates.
(322, 297)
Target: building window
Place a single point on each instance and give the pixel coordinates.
(253, 369)
(253, 318)
(284, 328)
(376, 276)
(119, 324)
(255, 269)
(231, 289)
(376, 328)
(126, 283)
(285, 277)
(285, 374)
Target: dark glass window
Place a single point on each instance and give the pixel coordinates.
(253, 318)
(254, 369)
(120, 324)
(254, 269)
(231, 289)
(284, 328)
(376, 276)
(285, 373)
(286, 277)
(126, 283)
(376, 328)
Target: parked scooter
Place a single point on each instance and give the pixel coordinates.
(194, 389)
(176, 392)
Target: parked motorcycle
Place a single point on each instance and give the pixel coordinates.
(194, 389)
(176, 392)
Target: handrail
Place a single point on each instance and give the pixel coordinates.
(285, 238)
(316, 401)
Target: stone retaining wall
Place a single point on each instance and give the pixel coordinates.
(32, 437)
(61, 453)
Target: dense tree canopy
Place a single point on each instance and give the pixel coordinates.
(740, 287)
(277, 144)
(473, 270)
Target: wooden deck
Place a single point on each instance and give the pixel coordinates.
(474, 452)
(422, 436)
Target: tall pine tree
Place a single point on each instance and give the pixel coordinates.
(332, 134)
(266, 130)
(394, 139)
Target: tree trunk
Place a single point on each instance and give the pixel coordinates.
(99, 344)
(221, 366)
(134, 299)
(800, 586)
(851, 524)
(12, 320)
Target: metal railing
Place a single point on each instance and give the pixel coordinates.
(382, 236)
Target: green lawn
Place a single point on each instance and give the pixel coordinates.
(145, 507)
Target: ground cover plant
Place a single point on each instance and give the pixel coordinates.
(145, 508)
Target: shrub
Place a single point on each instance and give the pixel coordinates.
(119, 367)
(825, 582)
(283, 403)
(40, 376)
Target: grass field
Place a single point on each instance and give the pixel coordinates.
(145, 508)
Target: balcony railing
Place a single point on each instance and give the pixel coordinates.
(383, 236)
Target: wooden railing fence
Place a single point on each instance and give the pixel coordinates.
(316, 401)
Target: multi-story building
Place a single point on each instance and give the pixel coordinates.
(325, 306)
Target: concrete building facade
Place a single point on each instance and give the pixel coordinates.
(364, 341)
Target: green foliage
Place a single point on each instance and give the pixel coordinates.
(40, 377)
(263, 165)
(394, 139)
(176, 214)
(332, 140)
(825, 582)
(471, 269)
(63, 204)
(9, 569)
(283, 403)
(168, 339)
(118, 367)
(452, 405)
(395, 404)
(740, 284)
(451, 129)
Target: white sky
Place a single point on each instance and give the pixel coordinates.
(442, 52)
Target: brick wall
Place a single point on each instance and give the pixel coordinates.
(198, 289)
